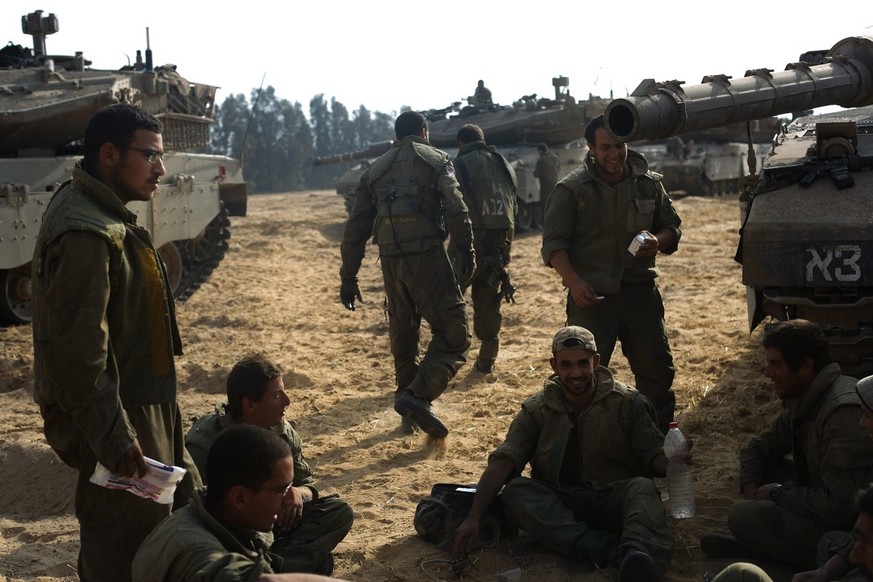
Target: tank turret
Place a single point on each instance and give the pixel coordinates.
(660, 110)
(530, 119)
(806, 246)
(46, 103)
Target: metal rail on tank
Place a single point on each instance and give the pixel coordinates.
(660, 110)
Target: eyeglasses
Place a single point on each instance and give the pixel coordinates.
(152, 156)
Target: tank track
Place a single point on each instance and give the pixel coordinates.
(202, 255)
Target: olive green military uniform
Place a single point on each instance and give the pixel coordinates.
(590, 475)
(595, 223)
(546, 169)
(326, 520)
(832, 460)
(407, 198)
(105, 333)
(192, 545)
(489, 186)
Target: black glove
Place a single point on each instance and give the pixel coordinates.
(507, 289)
(349, 290)
(465, 266)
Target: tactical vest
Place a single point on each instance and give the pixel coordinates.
(489, 186)
(406, 199)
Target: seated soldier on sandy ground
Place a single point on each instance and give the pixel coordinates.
(310, 525)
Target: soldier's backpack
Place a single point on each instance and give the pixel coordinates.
(439, 515)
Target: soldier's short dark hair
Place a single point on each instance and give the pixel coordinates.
(409, 123)
(244, 454)
(249, 378)
(468, 133)
(592, 127)
(115, 124)
(797, 340)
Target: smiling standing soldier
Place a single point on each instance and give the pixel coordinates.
(592, 216)
(104, 337)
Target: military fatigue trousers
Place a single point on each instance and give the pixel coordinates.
(113, 523)
(307, 548)
(485, 294)
(423, 285)
(579, 522)
(634, 316)
(773, 531)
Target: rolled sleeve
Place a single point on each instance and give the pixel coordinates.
(559, 223)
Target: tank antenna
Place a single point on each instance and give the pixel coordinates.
(148, 51)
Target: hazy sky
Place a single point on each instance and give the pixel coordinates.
(384, 54)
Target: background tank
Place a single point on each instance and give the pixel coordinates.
(514, 129)
(708, 162)
(46, 102)
(806, 243)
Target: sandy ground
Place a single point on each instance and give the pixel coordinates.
(276, 292)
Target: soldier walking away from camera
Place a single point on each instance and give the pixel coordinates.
(216, 537)
(406, 199)
(593, 215)
(309, 525)
(105, 334)
(593, 448)
(546, 170)
(489, 186)
(790, 503)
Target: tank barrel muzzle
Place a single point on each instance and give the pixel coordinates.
(661, 110)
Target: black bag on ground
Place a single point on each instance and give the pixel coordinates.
(439, 515)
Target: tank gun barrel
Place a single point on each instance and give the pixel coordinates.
(373, 151)
(661, 110)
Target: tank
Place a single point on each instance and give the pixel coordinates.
(514, 130)
(806, 245)
(708, 162)
(529, 119)
(46, 104)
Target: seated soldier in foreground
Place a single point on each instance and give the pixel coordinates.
(860, 554)
(309, 525)
(593, 447)
(791, 503)
(214, 537)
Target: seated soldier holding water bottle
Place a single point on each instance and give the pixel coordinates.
(593, 446)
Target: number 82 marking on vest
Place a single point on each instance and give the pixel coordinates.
(840, 263)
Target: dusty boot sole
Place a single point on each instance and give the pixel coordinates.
(409, 405)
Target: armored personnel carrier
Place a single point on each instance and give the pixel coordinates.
(45, 104)
(514, 129)
(806, 245)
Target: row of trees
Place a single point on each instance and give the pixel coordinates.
(278, 144)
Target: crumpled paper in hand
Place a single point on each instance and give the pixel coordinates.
(158, 484)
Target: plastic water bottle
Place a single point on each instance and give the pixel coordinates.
(679, 488)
